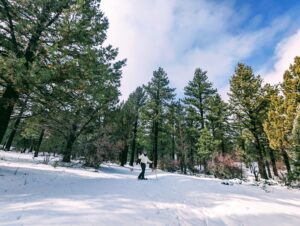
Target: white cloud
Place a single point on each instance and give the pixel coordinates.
(181, 36)
(138, 28)
(285, 52)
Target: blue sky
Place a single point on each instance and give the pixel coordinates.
(262, 13)
(181, 35)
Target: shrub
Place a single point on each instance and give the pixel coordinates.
(93, 158)
(169, 165)
(55, 164)
(224, 167)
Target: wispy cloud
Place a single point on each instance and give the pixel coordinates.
(285, 52)
(182, 35)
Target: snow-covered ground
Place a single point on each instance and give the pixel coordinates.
(39, 194)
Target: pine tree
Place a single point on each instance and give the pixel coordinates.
(270, 92)
(127, 120)
(218, 122)
(206, 146)
(248, 104)
(171, 128)
(38, 36)
(15, 127)
(81, 103)
(60, 63)
(160, 96)
(137, 99)
(197, 93)
(181, 136)
(276, 128)
(282, 113)
(296, 144)
(25, 28)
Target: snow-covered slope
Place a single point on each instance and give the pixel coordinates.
(38, 194)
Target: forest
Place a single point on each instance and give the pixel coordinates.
(60, 95)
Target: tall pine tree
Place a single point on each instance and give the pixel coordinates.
(248, 105)
(282, 113)
(137, 100)
(197, 94)
(160, 96)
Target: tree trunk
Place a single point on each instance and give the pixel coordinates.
(24, 150)
(14, 130)
(155, 144)
(262, 169)
(182, 164)
(68, 150)
(205, 165)
(124, 154)
(193, 153)
(133, 143)
(37, 148)
(201, 110)
(260, 160)
(7, 103)
(137, 154)
(31, 146)
(273, 162)
(192, 159)
(266, 161)
(268, 169)
(173, 147)
(223, 147)
(202, 118)
(286, 160)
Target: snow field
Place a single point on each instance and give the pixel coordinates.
(37, 194)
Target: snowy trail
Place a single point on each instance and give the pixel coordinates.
(37, 194)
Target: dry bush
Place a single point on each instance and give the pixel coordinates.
(102, 150)
(169, 165)
(224, 167)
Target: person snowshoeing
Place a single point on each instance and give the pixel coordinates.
(144, 160)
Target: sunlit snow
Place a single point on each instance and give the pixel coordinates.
(32, 193)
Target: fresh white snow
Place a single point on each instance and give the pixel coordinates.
(32, 193)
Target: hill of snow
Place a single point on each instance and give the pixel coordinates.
(37, 194)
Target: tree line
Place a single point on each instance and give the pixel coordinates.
(59, 86)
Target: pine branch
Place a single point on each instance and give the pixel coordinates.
(11, 26)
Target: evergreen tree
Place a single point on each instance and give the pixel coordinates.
(126, 124)
(181, 137)
(37, 36)
(282, 113)
(270, 92)
(137, 100)
(80, 103)
(60, 63)
(192, 127)
(296, 143)
(206, 146)
(218, 122)
(25, 27)
(160, 96)
(16, 124)
(197, 94)
(171, 128)
(248, 104)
